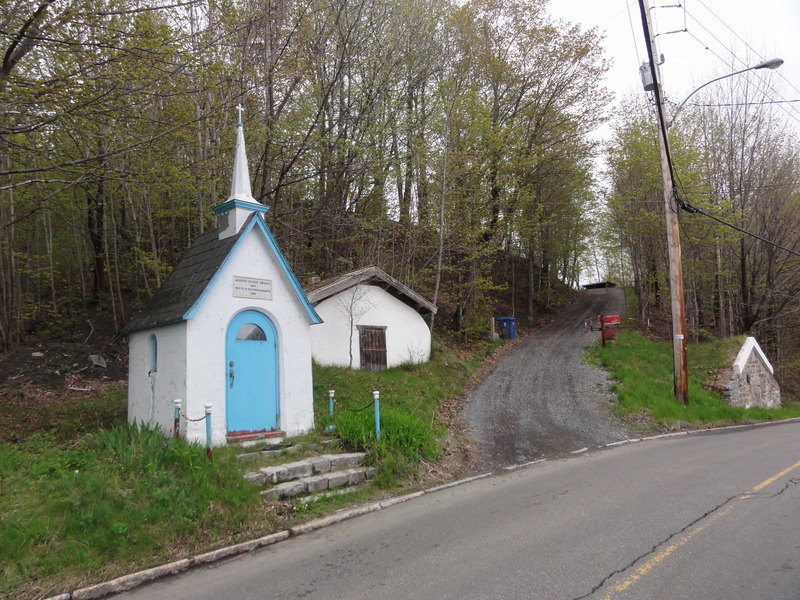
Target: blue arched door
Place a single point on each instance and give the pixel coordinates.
(252, 374)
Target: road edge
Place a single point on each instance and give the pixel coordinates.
(126, 583)
(131, 581)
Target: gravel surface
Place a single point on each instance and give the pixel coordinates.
(543, 400)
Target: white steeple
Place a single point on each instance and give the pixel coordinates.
(240, 204)
(240, 184)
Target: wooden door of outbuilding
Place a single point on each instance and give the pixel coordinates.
(372, 347)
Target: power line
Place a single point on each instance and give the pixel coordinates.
(795, 114)
(689, 208)
(633, 31)
(693, 209)
(746, 103)
(741, 39)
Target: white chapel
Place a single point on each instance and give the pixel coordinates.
(230, 328)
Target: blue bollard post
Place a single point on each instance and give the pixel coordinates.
(376, 396)
(209, 451)
(330, 427)
(176, 426)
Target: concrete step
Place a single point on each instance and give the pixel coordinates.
(245, 439)
(311, 475)
(313, 465)
(269, 451)
(318, 483)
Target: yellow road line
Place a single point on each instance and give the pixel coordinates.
(653, 562)
(686, 538)
(764, 484)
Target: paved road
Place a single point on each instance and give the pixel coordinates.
(543, 400)
(711, 516)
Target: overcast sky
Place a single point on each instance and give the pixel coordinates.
(753, 29)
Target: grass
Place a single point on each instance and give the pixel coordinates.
(110, 501)
(411, 396)
(644, 381)
(95, 498)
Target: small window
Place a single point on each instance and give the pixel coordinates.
(250, 332)
(153, 354)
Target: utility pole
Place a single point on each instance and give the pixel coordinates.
(680, 370)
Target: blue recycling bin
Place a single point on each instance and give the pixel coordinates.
(508, 327)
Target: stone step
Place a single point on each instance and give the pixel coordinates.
(270, 451)
(307, 467)
(319, 483)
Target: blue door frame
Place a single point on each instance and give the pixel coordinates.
(251, 374)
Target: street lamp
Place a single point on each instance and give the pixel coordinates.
(651, 82)
(772, 63)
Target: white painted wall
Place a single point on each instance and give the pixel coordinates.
(196, 351)
(151, 393)
(206, 343)
(408, 338)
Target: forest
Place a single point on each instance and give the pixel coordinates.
(738, 165)
(447, 142)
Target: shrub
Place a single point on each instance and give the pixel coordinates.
(402, 436)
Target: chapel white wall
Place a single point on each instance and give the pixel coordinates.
(151, 394)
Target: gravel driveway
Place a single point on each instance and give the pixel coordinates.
(542, 400)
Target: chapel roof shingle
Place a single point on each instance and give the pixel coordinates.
(184, 286)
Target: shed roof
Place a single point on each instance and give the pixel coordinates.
(371, 276)
(183, 291)
(598, 285)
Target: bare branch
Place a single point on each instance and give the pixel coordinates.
(24, 40)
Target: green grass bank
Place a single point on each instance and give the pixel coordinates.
(97, 499)
(86, 503)
(643, 376)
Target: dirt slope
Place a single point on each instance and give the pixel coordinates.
(542, 400)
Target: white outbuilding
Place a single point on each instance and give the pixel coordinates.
(371, 321)
(230, 328)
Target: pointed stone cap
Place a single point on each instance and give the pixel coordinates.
(749, 347)
(240, 184)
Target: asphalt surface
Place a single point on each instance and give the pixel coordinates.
(543, 400)
(700, 515)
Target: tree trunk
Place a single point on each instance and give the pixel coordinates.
(95, 225)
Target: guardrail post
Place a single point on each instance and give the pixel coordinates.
(376, 397)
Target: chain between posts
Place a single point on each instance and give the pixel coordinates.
(192, 420)
(332, 400)
(206, 417)
(375, 403)
(365, 407)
